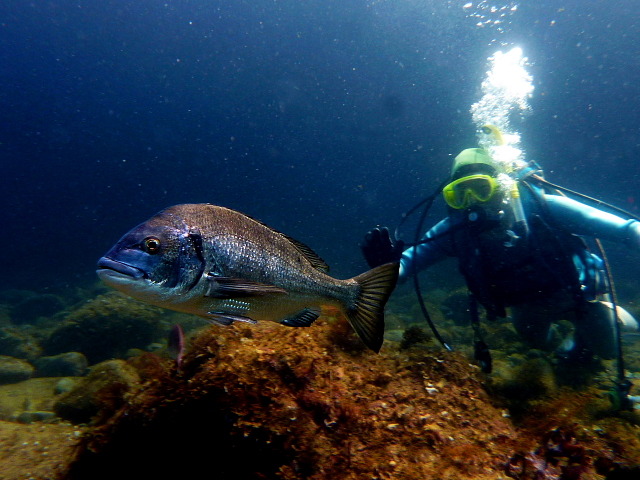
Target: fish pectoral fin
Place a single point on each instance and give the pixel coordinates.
(302, 319)
(226, 319)
(230, 287)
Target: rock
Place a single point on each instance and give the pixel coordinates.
(36, 306)
(102, 390)
(32, 395)
(64, 385)
(5, 317)
(13, 296)
(456, 307)
(37, 416)
(14, 370)
(394, 335)
(14, 342)
(70, 364)
(301, 406)
(105, 327)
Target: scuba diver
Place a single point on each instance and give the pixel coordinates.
(521, 247)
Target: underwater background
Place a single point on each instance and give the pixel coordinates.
(320, 118)
(323, 119)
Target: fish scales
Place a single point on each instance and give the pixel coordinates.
(257, 252)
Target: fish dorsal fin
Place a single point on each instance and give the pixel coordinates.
(306, 251)
(315, 260)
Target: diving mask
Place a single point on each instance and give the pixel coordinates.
(468, 190)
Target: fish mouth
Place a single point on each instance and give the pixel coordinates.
(113, 269)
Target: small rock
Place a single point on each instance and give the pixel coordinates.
(19, 343)
(104, 328)
(37, 416)
(14, 370)
(64, 385)
(104, 387)
(70, 364)
(33, 307)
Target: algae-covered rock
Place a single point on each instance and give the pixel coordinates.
(36, 416)
(105, 327)
(65, 385)
(456, 307)
(32, 395)
(301, 407)
(15, 342)
(70, 364)
(35, 306)
(521, 380)
(103, 389)
(13, 370)
(269, 402)
(412, 336)
(5, 318)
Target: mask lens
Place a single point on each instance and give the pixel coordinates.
(481, 188)
(467, 190)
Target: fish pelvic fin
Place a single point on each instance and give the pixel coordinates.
(367, 314)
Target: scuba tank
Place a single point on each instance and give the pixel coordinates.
(514, 193)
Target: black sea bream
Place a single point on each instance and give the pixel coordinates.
(225, 266)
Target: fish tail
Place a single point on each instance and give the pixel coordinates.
(366, 315)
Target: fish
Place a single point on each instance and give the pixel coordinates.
(175, 344)
(227, 267)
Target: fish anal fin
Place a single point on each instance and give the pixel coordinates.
(230, 287)
(303, 318)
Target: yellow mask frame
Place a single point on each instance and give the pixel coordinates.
(468, 190)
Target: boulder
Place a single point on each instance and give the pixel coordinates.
(14, 370)
(101, 391)
(70, 364)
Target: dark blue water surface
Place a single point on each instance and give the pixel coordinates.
(322, 118)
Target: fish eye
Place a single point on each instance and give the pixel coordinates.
(151, 245)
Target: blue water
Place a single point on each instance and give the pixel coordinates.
(322, 118)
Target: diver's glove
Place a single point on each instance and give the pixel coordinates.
(378, 248)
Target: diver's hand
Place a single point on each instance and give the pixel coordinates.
(378, 248)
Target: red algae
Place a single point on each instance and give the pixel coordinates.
(268, 402)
